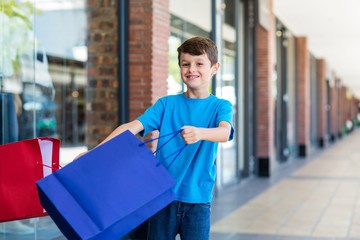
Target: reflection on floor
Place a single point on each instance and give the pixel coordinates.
(31, 229)
(317, 198)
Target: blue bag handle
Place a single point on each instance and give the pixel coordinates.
(177, 152)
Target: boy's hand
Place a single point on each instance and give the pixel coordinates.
(190, 134)
(220, 133)
(79, 155)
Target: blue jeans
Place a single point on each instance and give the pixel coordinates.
(190, 221)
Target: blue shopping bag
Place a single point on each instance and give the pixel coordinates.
(107, 192)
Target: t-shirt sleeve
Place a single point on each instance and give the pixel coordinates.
(226, 114)
(151, 118)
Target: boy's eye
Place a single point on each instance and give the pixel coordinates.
(185, 65)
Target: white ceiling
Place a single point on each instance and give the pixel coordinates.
(332, 28)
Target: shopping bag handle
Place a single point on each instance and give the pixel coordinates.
(45, 165)
(177, 152)
(169, 134)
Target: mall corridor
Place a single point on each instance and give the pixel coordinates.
(311, 198)
(315, 198)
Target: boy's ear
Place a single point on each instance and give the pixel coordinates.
(215, 67)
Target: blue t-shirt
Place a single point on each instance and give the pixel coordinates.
(194, 169)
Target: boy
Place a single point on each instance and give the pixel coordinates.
(205, 120)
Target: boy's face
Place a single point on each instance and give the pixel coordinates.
(196, 71)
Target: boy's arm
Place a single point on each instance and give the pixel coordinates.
(192, 134)
(134, 126)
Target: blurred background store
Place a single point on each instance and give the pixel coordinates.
(75, 69)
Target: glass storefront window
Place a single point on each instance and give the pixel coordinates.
(227, 160)
(42, 64)
(174, 81)
(43, 57)
(226, 89)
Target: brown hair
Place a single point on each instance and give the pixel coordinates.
(197, 46)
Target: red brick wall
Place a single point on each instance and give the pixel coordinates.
(321, 99)
(355, 106)
(342, 108)
(334, 111)
(101, 92)
(148, 48)
(265, 100)
(149, 30)
(303, 93)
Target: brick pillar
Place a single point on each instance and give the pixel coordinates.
(356, 111)
(303, 96)
(149, 32)
(349, 103)
(334, 111)
(353, 107)
(265, 100)
(342, 111)
(102, 89)
(321, 101)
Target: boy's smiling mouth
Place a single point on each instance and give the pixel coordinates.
(191, 77)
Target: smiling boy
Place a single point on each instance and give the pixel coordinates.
(206, 121)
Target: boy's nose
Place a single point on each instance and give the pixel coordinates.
(192, 68)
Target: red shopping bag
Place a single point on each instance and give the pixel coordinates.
(21, 165)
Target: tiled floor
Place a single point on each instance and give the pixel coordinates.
(315, 198)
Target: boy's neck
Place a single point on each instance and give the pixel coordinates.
(190, 94)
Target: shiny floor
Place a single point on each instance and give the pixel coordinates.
(314, 198)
